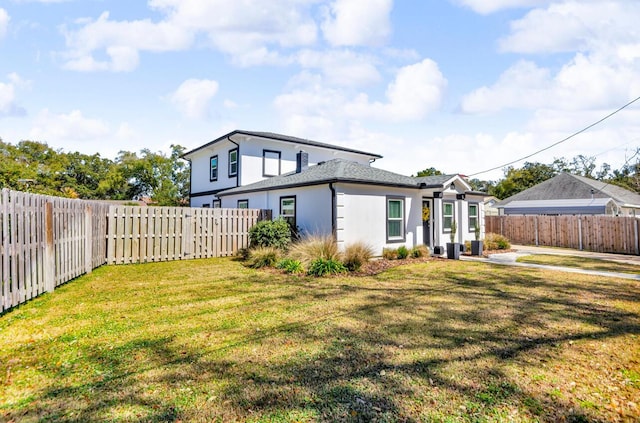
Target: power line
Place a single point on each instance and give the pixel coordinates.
(562, 140)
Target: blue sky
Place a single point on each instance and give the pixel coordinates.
(460, 85)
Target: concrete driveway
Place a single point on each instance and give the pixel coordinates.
(509, 259)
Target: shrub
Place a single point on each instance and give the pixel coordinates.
(312, 247)
(263, 257)
(467, 245)
(270, 233)
(355, 255)
(402, 252)
(419, 251)
(321, 267)
(496, 242)
(389, 253)
(290, 265)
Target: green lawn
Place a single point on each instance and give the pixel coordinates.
(210, 340)
(581, 263)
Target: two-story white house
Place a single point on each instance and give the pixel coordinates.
(327, 189)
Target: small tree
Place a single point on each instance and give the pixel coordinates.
(476, 230)
(454, 229)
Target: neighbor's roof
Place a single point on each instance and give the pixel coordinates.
(566, 206)
(285, 138)
(340, 170)
(565, 186)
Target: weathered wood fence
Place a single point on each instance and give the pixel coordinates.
(604, 234)
(146, 234)
(47, 241)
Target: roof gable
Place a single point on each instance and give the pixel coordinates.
(282, 138)
(566, 186)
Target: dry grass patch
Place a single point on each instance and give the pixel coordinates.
(212, 340)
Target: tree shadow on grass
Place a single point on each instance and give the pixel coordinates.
(404, 349)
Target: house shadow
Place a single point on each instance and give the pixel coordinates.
(452, 340)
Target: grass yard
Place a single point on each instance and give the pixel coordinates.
(581, 263)
(211, 340)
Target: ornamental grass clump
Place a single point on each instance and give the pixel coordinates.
(263, 257)
(389, 253)
(419, 251)
(355, 255)
(496, 242)
(313, 247)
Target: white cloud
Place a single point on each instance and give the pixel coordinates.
(193, 96)
(244, 29)
(485, 7)
(582, 84)
(416, 91)
(4, 22)
(8, 103)
(341, 67)
(51, 127)
(358, 22)
(311, 108)
(570, 26)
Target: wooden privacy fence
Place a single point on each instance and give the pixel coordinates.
(604, 234)
(147, 234)
(47, 241)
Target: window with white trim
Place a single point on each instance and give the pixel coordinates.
(233, 162)
(213, 170)
(447, 215)
(395, 219)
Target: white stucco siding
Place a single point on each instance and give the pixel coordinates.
(313, 205)
(252, 152)
(362, 216)
(200, 172)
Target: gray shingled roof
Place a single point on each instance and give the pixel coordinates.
(340, 170)
(567, 186)
(285, 138)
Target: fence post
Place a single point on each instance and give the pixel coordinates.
(580, 233)
(536, 228)
(88, 240)
(49, 251)
(637, 237)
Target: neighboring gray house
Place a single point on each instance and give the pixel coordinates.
(332, 190)
(567, 194)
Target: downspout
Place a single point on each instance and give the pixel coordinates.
(334, 229)
(190, 181)
(238, 170)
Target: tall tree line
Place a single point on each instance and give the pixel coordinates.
(35, 167)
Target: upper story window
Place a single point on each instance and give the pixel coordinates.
(270, 163)
(447, 215)
(233, 162)
(473, 217)
(213, 172)
(395, 219)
